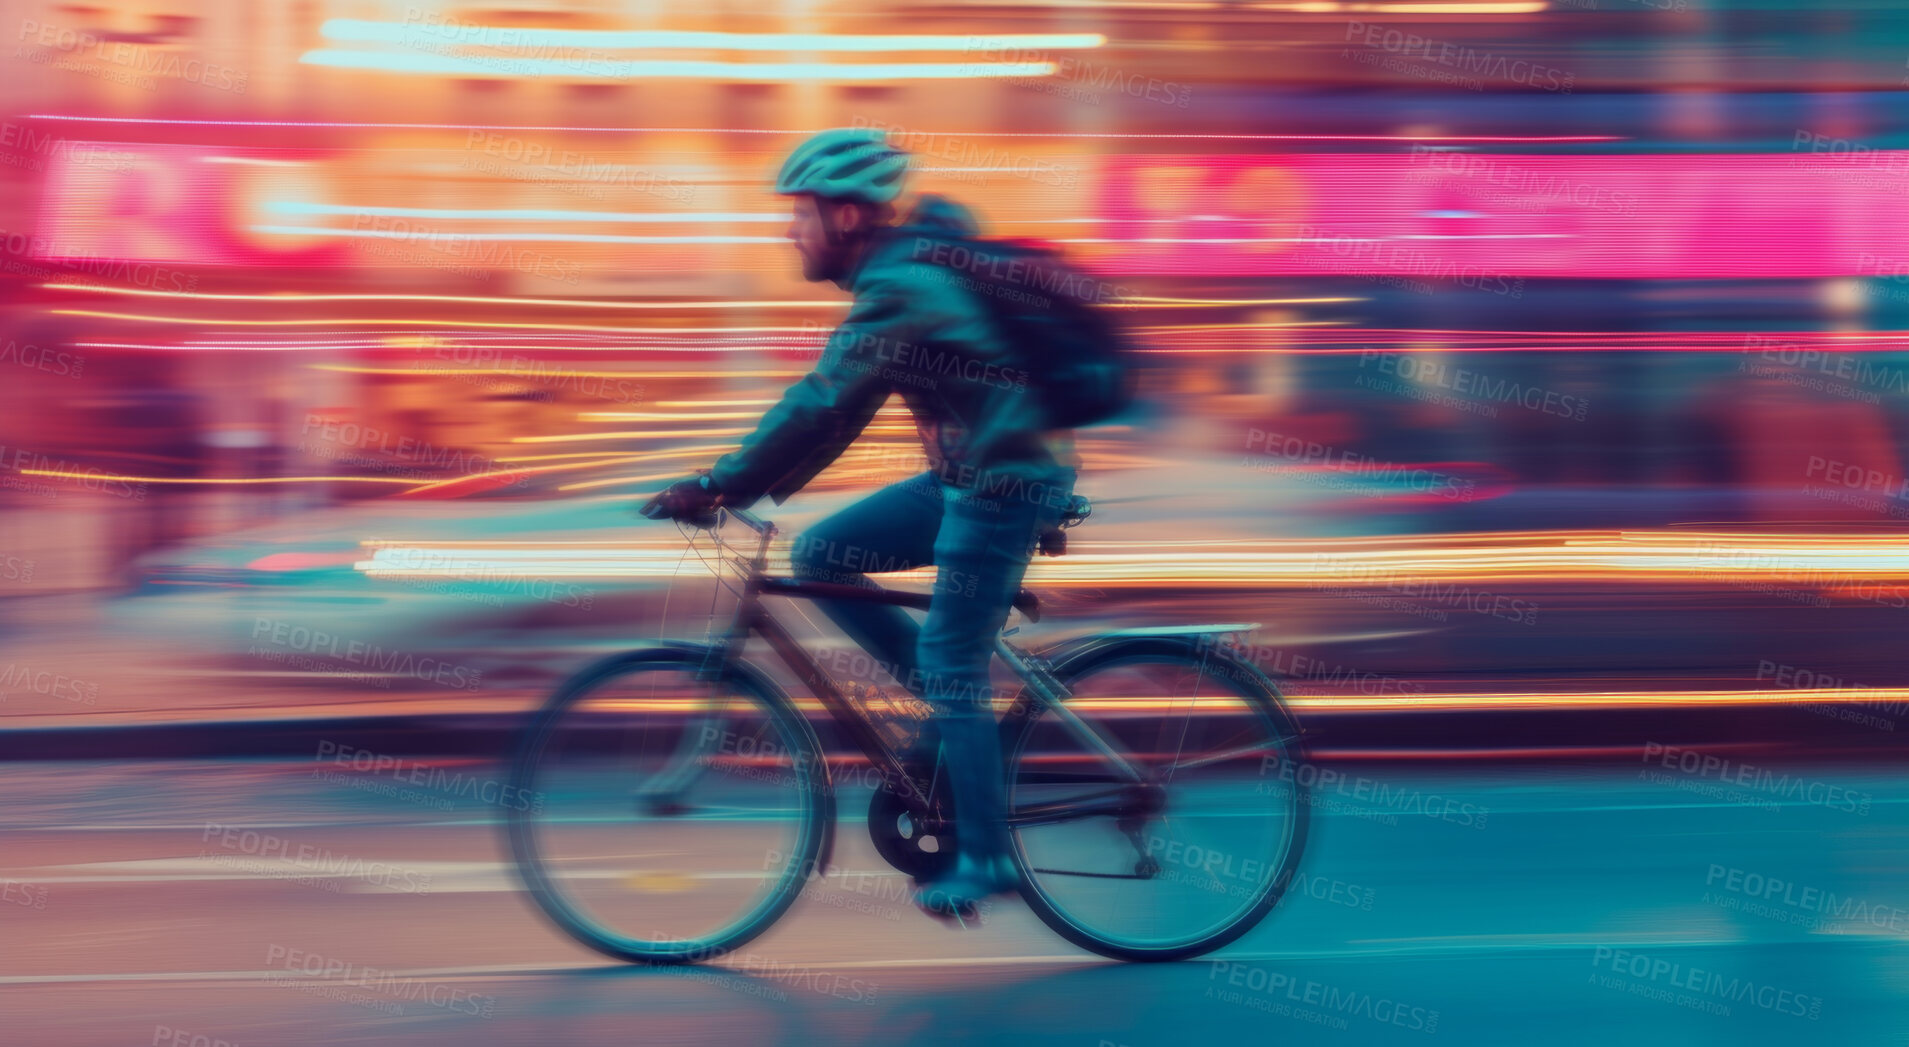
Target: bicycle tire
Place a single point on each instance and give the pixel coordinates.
(1253, 686)
(817, 820)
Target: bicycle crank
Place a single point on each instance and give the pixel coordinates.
(902, 843)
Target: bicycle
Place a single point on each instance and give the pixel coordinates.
(683, 747)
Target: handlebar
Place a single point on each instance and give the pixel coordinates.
(751, 520)
(1078, 509)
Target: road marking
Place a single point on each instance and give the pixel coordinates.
(476, 877)
(1523, 943)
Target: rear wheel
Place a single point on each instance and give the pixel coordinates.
(1197, 853)
(663, 818)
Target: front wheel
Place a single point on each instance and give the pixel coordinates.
(1197, 852)
(665, 815)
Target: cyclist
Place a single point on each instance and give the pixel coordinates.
(997, 479)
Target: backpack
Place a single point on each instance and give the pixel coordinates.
(1079, 361)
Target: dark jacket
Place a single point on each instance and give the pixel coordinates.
(917, 328)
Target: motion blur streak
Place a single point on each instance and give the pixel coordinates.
(1510, 557)
(1524, 397)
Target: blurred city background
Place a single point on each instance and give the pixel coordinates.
(1534, 372)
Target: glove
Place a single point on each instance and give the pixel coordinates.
(1054, 542)
(692, 500)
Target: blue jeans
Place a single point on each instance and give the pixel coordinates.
(980, 541)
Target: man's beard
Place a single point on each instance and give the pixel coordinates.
(826, 266)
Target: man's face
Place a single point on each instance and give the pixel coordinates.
(808, 230)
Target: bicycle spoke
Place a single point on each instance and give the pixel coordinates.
(1209, 848)
(743, 818)
(1187, 723)
(1276, 745)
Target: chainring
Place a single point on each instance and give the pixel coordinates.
(899, 841)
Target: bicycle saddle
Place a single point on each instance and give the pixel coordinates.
(1028, 604)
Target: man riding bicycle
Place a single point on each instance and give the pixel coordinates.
(997, 478)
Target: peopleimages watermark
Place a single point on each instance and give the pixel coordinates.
(884, 895)
(1875, 168)
(386, 990)
(1291, 665)
(452, 573)
(1853, 376)
(46, 360)
(794, 975)
(167, 1036)
(817, 558)
(495, 361)
(76, 266)
(1795, 678)
(750, 757)
(315, 648)
(446, 783)
(923, 366)
(17, 678)
(1857, 486)
(1070, 70)
(1786, 901)
(120, 61)
(972, 156)
(1761, 784)
(23, 894)
(472, 44)
(1694, 987)
(1519, 186)
(328, 437)
(1219, 871)
(466, 248)
(1422, 372)
(56, 474)
(1003, 267)
(23, 147)
(270, 855)
(1304, 999)
(1372, 800)
(524, 159)
(1393, 583)
(15, 568)
(1316, 462)
(1399, 51)
(1361, 255)
(1813, 585)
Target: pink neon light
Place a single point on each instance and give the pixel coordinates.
(157, 203)
(1477, 216)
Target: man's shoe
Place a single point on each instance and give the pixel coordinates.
(957, 897)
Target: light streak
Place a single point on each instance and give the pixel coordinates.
(506, 373)
(1609, 556)
(362, 321)
(811, 131)
(568, 303)
(503, 66)
(490, 237)
(300, 207)
(363, 31)
(626, 435)
(67, 474)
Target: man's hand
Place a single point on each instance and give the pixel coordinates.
(692, 500)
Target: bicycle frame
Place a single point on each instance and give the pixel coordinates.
(753, 618)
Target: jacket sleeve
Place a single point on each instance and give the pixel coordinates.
(820, 415)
